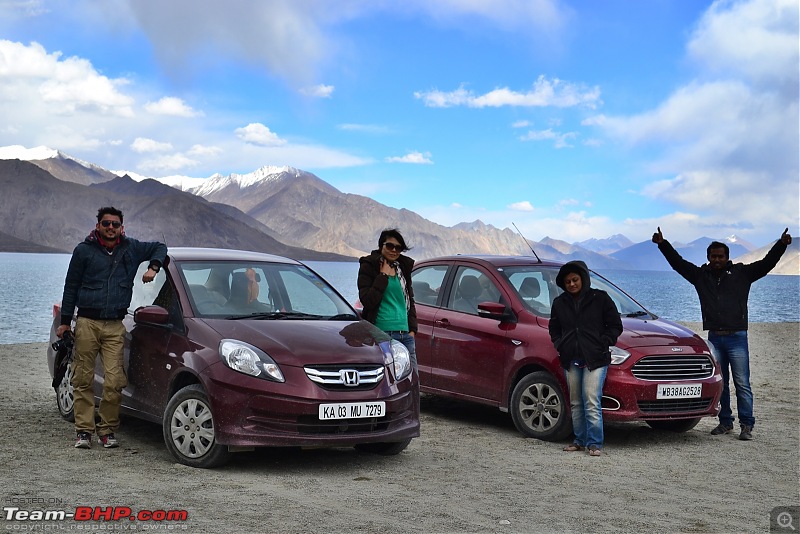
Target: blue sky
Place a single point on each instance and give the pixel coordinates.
(571, 119)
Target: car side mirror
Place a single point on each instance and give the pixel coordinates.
(151, 315)
(496, 311)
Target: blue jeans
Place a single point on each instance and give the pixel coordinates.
(734, 358)
(408, 340)
(585, 394)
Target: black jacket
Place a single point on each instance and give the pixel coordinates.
(371, 287)
(585, 328)
(723, 296)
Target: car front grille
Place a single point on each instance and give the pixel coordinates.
(693, 367)
(312, 425)
(345, 378)
(674, 405)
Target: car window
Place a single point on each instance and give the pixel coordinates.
(470, 288)
(233, 289)
(536, 288)
(159, 292)
(427, 283)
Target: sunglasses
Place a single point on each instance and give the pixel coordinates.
(106, 224)
(391, 247)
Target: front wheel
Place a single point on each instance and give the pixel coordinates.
(189, 429)
(65, 396)
(384, 449)
(539, 408)
(673, 425)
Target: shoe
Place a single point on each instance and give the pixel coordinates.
(595, 451)
(721, 429)
(84, 441)
(573, 448)
(746, 433)
(109, 441)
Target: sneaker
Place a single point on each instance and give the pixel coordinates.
(746, 434)
(722, 429)
(109, 441)
(84, 441)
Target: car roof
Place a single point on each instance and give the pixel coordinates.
(493, 260)
(222, 254)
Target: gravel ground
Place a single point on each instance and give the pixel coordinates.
(470, 471)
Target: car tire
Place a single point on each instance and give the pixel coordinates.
(539, 408)
(65, 396)
(673, 425)
(384, 449)
(188, 427)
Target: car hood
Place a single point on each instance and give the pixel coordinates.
(655, 332)
(304, 342)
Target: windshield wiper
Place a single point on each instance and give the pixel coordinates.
(637, 314)
(343, 317)
(274, 315)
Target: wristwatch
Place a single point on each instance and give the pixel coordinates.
(155, 267)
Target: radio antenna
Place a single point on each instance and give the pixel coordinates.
(527, 243)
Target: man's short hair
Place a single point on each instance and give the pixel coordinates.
(717, 244)
(108, 210)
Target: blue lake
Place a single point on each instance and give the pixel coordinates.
(32, 283)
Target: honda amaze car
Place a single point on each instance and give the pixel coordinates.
(483, 337)
(232, 350)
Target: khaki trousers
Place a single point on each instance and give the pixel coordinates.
(106, 337)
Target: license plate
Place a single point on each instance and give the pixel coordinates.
(352, 410)
(679, 391)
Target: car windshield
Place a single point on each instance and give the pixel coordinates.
(264, 291)
(536, 286)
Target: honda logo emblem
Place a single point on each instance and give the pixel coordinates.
(677, 349)
(349, 377)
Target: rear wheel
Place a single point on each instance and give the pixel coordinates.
(65, 396)
(539, 408)
(673, 425)
(384, 449)
(189, 429)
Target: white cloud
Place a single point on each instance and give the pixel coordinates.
(142, 145)
(172, 106)
(167, 163)
(318, 91)
(204, 151)
(560, 140)
(63, 86)
(728, 139)
(521, 206)
(412, 157)
(520, 124)
(544, 93)
(257, 134)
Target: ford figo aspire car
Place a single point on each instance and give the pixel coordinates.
(483, 337)
(232, 350)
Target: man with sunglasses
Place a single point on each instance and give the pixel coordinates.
(99, 283)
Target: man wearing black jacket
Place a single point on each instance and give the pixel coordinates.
(723, 288)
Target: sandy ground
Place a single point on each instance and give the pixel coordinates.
(470, 471)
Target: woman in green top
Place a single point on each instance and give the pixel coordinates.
(384, 289)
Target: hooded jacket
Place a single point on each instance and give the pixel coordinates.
(100, 283)
(583, 329)
(371, 287)
(723, 295)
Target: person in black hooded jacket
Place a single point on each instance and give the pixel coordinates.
(584, 323)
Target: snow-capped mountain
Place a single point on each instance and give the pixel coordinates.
(268, 173)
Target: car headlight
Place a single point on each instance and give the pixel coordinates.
(245, 358)
(396, 355)
(618, 355)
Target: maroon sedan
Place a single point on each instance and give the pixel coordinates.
(232, 350)
(483, 337)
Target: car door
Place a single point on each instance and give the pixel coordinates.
(427, 283)
(470, 353)
(152, 350)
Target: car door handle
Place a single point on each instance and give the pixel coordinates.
(442, 323)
